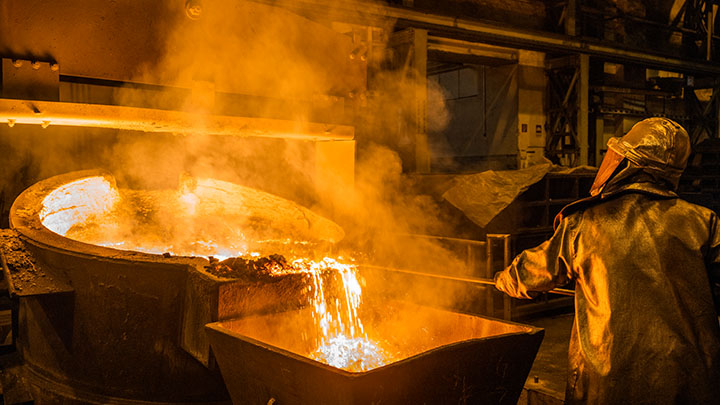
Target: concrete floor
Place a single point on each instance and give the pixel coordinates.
(546, 381)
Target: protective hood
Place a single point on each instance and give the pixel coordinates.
(655, 150)
(649, 159)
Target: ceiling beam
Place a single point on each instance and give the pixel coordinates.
(372, 13)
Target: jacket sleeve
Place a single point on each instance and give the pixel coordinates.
(544, 267)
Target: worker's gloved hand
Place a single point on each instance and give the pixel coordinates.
(509, 285)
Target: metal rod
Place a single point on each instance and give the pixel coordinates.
(507, 302)
(471, 280)
(444, 238)
(490, 296)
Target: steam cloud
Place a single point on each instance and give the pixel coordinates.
(289, 68)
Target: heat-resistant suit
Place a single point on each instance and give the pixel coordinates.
(645, 264)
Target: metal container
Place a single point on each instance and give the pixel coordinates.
(101, 325)
(442, 357)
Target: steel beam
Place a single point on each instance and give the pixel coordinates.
(490, 55)
(376, 14)
(571, 14)
(422, 150)
(47, 113)
(583, 121)
(563, 109)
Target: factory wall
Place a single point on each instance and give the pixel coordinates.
(532, 85)
(482, 103)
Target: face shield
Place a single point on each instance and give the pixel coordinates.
(610, 162)
(658, 146)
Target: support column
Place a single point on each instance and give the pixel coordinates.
(583, 121)
(571, 17)
(712, 11)
(599, 139)
(716, 135)
(335, 173)
(410, 61)
(422, 151)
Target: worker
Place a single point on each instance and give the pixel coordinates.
(646, 266)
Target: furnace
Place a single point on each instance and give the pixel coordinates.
(277, 335)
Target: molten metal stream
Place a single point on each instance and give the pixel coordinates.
(342, 341)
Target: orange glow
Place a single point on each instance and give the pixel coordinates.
(208, 217)
(78, 202)
(351, 354)
(155, 120)
(342, 341)
(203, 217)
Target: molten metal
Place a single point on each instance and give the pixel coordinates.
(204, 217)
(356, 354)
(342, 341)
(207, 217)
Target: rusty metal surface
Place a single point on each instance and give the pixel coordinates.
(488, 365)
(26, 277)
(116, 335)
(14, 387)
(152, 120)
(154, 42)
(22, 385)
(132, 328)
(23, 78)
(210, 299)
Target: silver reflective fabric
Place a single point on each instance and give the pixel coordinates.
(644, 264)
(658, 146)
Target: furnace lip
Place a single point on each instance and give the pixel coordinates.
(25, 219)
(201, 217)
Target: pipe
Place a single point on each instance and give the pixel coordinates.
(45, 113)
(357, 11)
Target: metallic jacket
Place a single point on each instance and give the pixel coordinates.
(644, 263)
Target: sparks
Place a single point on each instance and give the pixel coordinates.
(342, 341)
